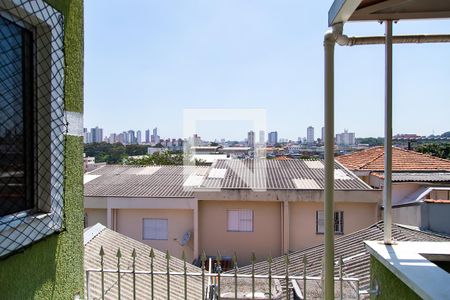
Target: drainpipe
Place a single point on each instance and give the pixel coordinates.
(387, 189)
(329, 43)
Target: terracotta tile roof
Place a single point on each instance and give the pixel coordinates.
(437, 201)
(372, 159)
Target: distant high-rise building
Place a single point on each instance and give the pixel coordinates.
(97, 135)
(147, 136)
(87, 137)
(272, 138)
(262, 137)
(251, 138)
(112, 138)
(346, 138)
(121, 138)
(310, 135)
(138, 137)
(131, 137)
(155, 136)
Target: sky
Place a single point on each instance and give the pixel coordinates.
(147, 61)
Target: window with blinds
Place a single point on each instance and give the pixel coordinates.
(338, 222)
(155, 229)
(240, 220)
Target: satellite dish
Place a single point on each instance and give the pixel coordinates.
(185, 239)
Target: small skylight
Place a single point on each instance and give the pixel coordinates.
(148, 170)
(217, 173)
(89, 177)
(340, 175)
(306, 184)
(193, 180)
(314, 164)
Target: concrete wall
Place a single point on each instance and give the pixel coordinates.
(435, 217)
(390, 286)
(96, 215)
(53, 267)
(264, 240)
(401, 190)
(130, 223)
(303, 221)
(407, 215)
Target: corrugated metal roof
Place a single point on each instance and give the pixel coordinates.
(350, 247)
(280, 174)
(422, 177)
(144, 181)
(182, 181)
(111, 241)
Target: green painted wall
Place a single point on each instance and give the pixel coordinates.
(53, 267)
(391, 286)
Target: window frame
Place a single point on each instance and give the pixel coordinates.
(155, 239)
(238, 225)
(28, 118)
(22, 228)
(338, 221)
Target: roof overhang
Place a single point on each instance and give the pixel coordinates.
(374, 10)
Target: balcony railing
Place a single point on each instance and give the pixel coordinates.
(212, 283)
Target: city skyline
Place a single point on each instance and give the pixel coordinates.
(242, 136)
(197, 58)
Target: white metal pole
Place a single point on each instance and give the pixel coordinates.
(329, 44)
(387, 188)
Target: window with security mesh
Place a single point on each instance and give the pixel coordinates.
(32, 123)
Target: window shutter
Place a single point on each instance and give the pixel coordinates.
(320, 221)
(155, 229)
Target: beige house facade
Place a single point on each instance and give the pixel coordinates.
(233, 219)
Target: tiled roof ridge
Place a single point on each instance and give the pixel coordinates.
(371, 160)
(352, 174)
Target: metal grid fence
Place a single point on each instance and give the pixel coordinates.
(214, 284)
(32, 123)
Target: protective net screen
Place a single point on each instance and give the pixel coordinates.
(32, 123)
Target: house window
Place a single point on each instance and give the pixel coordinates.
(338, 222)
(155, 229)
(32, 123)
(16, 118)
(240, 220)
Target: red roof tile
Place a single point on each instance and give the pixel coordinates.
(372, 159)
(437, 201)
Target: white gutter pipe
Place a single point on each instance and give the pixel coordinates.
(387, 188)
(335, 36)
(329, 43)
(344, 40)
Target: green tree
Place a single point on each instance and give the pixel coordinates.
(441, 150)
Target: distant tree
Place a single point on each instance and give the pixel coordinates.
(214, 144)
(371, 141)
(158, 158)
(441, 150)
(104, 152)
(132, 150)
